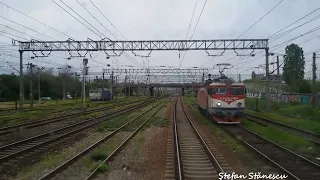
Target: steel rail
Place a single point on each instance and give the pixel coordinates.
(258, 119)
(67, 163)
(202, 141)
(96, 170)
(91, 122)
(176, 142)
(271, 159)
(18, 127)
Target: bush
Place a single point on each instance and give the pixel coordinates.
(98, 156)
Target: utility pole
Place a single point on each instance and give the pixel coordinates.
(129, 87)
(85, 62)
(103, 86)
(278, 80)
(267, 88)
(39, 92)
(21, 82)
(63, 87)
(111, 90)
(239, 78)
(314, 69)
(31, 89)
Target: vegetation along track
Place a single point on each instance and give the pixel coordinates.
(196, 158)
(294, 165)
(59, 112)
(61, 172)
(9, 111)
(31, 124)
(311, 136)
(16, 153)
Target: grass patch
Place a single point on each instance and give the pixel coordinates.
(49, 161)
(140, 139)
(117, 122)
(161, 122)
(286, 139)
(98, 156)
(305, 124)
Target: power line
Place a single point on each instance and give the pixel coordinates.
(257, 22)
(88, 23)
(126, 55)
(194, 9)
(108, 20)
(293, 23)
(260, 18)
(292, 29)
(95, 18)
(28, 28)
(284, 43)
(34, 19)
(195, 28)
(76, 18)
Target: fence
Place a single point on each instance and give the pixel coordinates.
(286, 98)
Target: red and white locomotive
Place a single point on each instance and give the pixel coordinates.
(223, 102)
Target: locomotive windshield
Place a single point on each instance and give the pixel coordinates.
(236, 90)
(218, 90)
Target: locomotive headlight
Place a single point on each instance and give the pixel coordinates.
(239, 104)
(218, 104)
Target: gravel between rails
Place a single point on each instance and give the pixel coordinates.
(41, 122)
(27, 133)
(19, 159)
(193, 158)
(96, 171)
(61, 173)
(292, 164)
(84, 166)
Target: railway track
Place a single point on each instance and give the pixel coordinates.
(195, 158)
(59, 112)
(15, 153)
(31, 124)
(311, 136)
(292, 164)
(61, 172)
(9, 111)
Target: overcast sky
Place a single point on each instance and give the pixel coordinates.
(159, 20)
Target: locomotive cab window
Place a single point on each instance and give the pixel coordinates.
(236, 90)
(218, 90)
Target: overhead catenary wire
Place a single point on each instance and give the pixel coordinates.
(195, 29)
(130, 58)
(34, 19)
(108, 20)
(194, 9)
(278, 46)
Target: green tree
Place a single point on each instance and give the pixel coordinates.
(293, 68)
(304, 87)
(253, 75)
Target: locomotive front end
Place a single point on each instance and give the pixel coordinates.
(226, 102)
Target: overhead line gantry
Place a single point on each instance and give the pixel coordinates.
(147, 45)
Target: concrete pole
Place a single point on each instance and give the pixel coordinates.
(314, 69)
(278, 80)
(267, 88)
(102, 86)
(111, 90)
(21, 81)
(39, 96)
(63, 88)
(31, 89)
